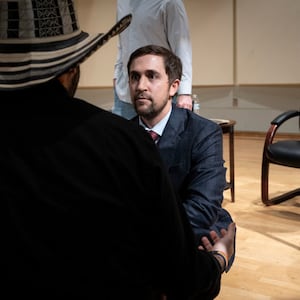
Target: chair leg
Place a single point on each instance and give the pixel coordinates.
(265, 181)
(284, 197)
(265, 187)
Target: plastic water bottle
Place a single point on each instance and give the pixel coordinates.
(196, 104)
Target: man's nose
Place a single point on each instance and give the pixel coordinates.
(142, 84)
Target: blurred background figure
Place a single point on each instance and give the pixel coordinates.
(159, 22)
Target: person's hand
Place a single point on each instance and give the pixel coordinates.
(184, 101)
(224, 244)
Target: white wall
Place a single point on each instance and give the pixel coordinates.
(98, 16)
(256, 105)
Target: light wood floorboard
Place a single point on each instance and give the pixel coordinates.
(267, 264)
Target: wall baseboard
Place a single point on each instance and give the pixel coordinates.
(261, 135)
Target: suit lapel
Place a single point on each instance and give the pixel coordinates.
(172, 135)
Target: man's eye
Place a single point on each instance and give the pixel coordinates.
(134, 77)
(152, 75)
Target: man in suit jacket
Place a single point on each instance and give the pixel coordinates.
(190, 145)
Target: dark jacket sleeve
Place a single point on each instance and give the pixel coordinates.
(191, 148)
(203, 280)
(202, 189)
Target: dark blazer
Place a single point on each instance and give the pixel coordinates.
(79, 216)
(192, 149)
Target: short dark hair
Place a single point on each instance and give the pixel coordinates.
(172, 62)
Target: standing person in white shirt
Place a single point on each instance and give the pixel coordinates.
(160, 22)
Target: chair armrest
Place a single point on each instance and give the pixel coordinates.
(276, 123)
(285, 116)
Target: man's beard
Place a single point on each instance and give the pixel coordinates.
(151, 111)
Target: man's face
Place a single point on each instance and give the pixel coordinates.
(149, 85)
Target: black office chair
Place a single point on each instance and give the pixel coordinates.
(283, 152)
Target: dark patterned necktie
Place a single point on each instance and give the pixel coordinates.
(153, 135)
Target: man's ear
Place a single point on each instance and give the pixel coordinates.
(65, 77)
(174, 87)
(70, 80)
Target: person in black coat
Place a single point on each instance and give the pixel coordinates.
(87, 209)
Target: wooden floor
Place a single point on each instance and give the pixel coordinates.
(267, 264)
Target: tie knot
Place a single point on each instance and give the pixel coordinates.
(153, 135)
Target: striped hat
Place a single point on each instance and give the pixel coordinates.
(41, 39)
